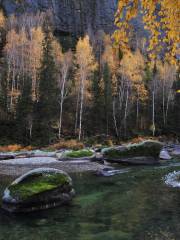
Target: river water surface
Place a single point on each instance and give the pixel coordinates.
(135, 205)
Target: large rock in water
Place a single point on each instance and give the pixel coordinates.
(83, 154)
(144, 153)
(38, 189)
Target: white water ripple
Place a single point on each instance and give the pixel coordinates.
(173, 179)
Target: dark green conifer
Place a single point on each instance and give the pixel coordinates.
(107, 97)
(24, 114)
(46, 108)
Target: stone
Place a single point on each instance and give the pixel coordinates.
(39, 153)
(144, 153)
(109, 172)
(59, 155)
(39, 189)
(176, 152)
(6, 156)
(30, 161)
(141, 160)
(84, 154)
(98, 158)
(164, 155)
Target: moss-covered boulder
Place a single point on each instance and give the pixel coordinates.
(84, 154)
(38, 189)
(144, 153)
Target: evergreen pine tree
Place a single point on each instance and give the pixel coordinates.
(46, 109)
(107, 96)
(97, 109)
(24, 114)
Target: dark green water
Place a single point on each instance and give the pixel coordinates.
(131, 206)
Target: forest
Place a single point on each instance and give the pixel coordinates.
(113, 85)
(89, 119)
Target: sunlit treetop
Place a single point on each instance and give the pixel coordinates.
(161, 18)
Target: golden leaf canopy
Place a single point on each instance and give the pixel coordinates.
(160, 17)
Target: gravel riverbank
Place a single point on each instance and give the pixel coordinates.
(9, 169)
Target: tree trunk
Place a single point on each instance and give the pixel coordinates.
(153, 115)
(137, 112)
(81, 108)
(114, 117)
(164, 114)
(125, 113)
(76, 120)
(61, 105)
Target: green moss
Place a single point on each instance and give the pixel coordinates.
(37, 184)
(80, 154)
(135, 150)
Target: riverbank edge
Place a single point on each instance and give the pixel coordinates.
(67, 166)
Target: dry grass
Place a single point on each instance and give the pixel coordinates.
(109, 143)
(138, 140)
(67, 144)
(15, 148)
(141, 139)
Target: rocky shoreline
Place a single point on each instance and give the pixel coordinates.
(145, 153)
(68, 166)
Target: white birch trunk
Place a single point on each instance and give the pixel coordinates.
(81, 107)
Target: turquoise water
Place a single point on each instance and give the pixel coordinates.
(136, 205)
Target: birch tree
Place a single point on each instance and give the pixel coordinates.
(167, 77)
(35, 56)
(64, 63)
(131, 88)
(85, 66)
(11, 50)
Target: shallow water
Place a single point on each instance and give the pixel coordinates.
(135, 205)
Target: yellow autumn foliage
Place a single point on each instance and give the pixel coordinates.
(161, 19)
(2, 19)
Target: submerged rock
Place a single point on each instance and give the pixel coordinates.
(38, 189)
(109, 172)
(173, 179)
(144, 153)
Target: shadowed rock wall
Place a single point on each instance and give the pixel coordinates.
(73, 16)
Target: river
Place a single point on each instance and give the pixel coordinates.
(134, 205)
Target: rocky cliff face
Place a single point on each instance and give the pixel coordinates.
(73, 16)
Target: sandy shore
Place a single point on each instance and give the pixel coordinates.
(68, 166)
